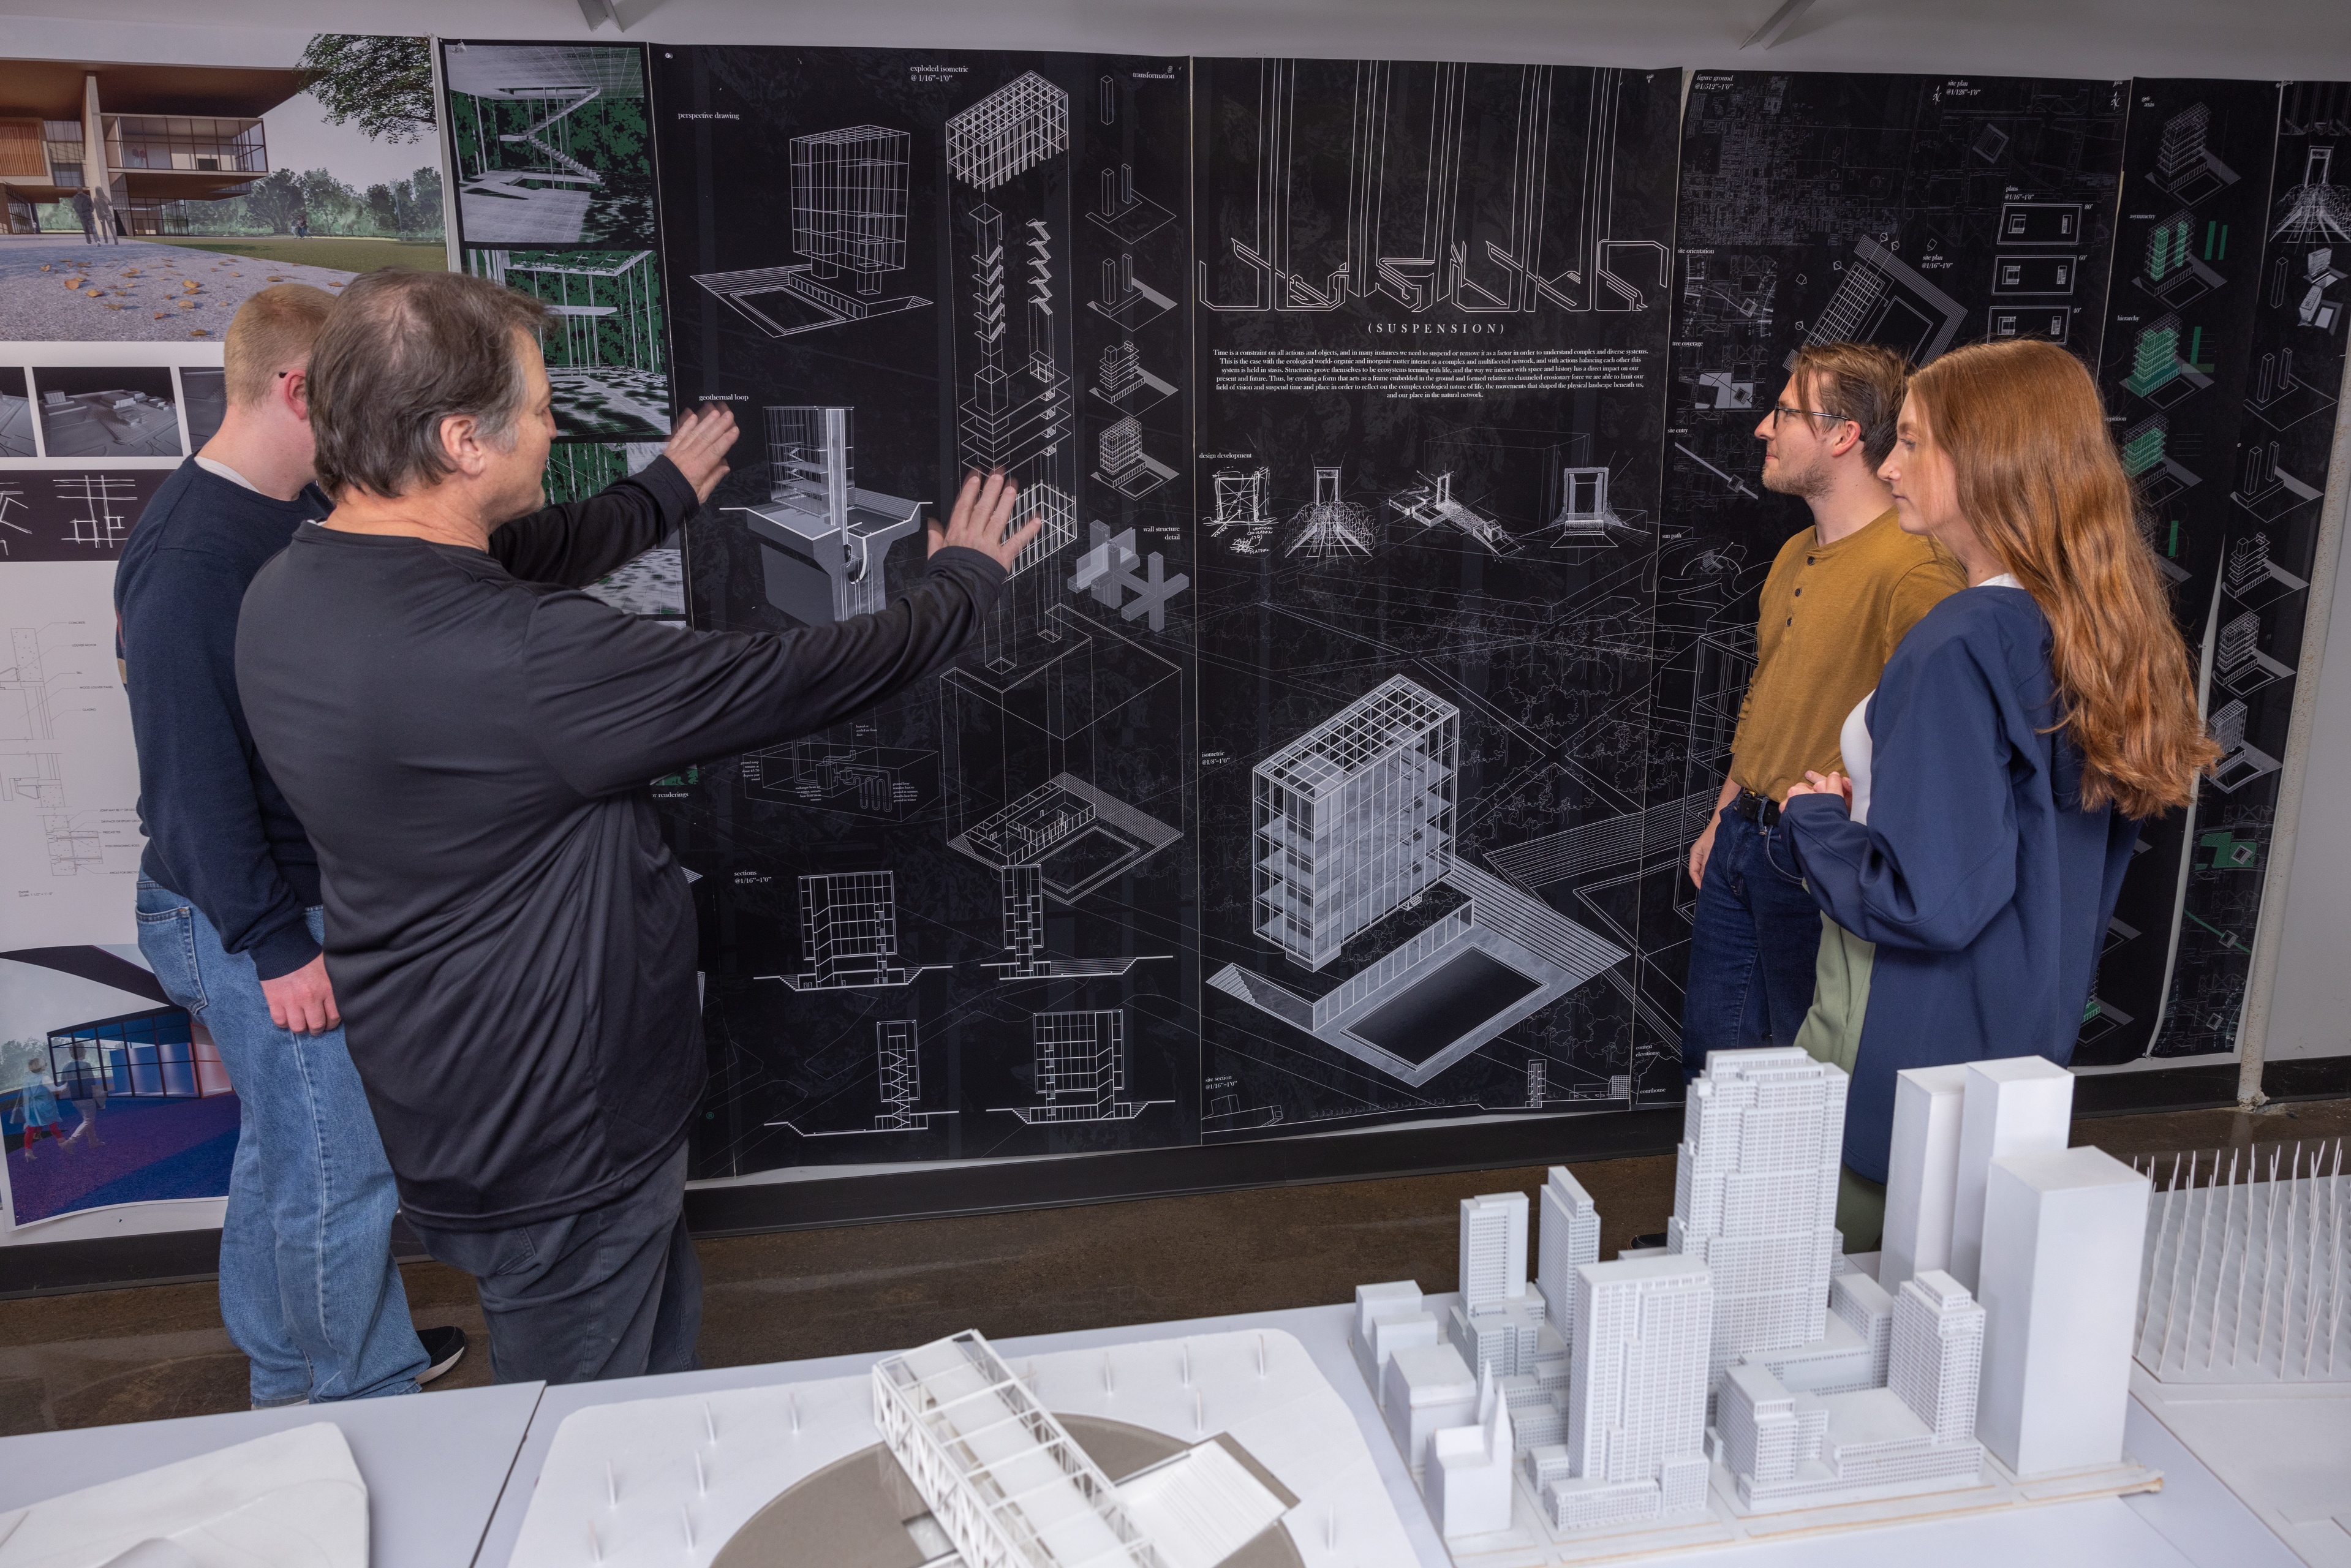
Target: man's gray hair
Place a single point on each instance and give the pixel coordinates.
(402, 352)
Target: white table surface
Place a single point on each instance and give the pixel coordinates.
(2194, 1522)
(434, 1464)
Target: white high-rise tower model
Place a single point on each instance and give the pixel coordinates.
(1755, 1186)
(1498, 1323)
(1636, 1410)
(1568, 1235)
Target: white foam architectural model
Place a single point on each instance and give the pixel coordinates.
(1922, 1177)
(2012, 1105)
(2244, 1279)
(1469, 1470)
(1567, 1235)
(292, 1500)
(1498, 1322)
(1637, 1389)
(1428, 1388)
(2061, 1233)
(1388, 1318)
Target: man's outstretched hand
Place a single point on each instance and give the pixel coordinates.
(983, 509)
(698, 446)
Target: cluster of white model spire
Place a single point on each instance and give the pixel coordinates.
(1747, 1342)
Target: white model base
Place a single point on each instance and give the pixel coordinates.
(671, 1481)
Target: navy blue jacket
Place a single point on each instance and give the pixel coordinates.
(219, 832)
(1984, 884)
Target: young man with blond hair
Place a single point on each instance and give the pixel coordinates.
(1839, 597)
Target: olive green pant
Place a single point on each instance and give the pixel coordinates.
(1832, 1034)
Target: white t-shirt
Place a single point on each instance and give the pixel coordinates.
(1854, 740)
(214, 466)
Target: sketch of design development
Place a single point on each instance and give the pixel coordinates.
(821, 538)
(848, 221)
(2245, 1280)
(1430, 503)
(1429, 217)
(1330, 524)
(524, 187)
(1354, 822)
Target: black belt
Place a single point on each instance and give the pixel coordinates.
(1761, 810)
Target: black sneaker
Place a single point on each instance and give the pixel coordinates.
(443, 1347)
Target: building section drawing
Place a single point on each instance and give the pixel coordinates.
(551, 143)
(849, 226)
(898, 1065)
(822, 540)
(1081, 1070)
(848, 928)
(2244, 1278)
(1412, 207)
(1108, 571)
(1022, 888)
(1352, 822)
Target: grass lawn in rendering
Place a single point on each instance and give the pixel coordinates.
(344, 253)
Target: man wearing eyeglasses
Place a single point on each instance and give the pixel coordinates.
(1840, 595)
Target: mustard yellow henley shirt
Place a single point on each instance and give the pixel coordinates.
(1831, 617)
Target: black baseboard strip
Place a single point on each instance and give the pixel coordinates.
(183, 1257)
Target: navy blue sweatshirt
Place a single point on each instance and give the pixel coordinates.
(1982, 881)
(219, 832)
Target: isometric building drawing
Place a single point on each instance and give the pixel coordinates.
(890, 784)
(1108, 572)
(848, 226)
(2241, 762)
(1123, 465)
(1403, 210)
(822, 540)
(550, 143)
(2178, 266)
(2244, 1279)
(2162, 364)
(1125, 298)
(1354, 821)
(2148, 460)
(2186, 166)
(1123, 382)
(1431, 502)
(2237, 662)
(1584, 516)
(603, 342)
(1080, 1067)
(1124, 213)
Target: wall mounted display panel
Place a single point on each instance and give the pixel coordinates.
(1431, 308)
(1915, 211)
(550, 144)
(962, 923)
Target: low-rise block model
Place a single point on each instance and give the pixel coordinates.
(1788, 1450)
(1429, 1388)
(1388, 1318)
(2062, 1237)
(1467, 1482)
(2012, 1105)
(1636, 1393)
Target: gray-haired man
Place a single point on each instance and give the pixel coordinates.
(468, 745)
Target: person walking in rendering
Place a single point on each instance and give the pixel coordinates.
(470, 745)
(37, 1105)
(86, 212)
(228, 900)
(1838, 598)
(1969, 854)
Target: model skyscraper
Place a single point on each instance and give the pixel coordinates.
(1636, 1393)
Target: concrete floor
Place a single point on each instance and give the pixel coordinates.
(105, 1356)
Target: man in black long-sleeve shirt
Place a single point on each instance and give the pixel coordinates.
(469, 746)
(228, 895)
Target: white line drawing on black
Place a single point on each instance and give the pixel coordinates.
(849, 925)
(2246, 1294)
(102, 519)
(822, 540)
(2173, 271)
(1080, 1069)
(898, 1061)
(2238, 662)
(1431, 503)
(1124, 385)
(2252, 578)
(2161, 371)
(1884, 299)
(890, 784)
(1241, 502)
(1008, 132)
(2240, 762)
(1737, 485)
(13, 495)
(543, 197)
(848, 221)
(2267, 490)
(599, 378)
(1126, 299)
(2281, 399)
(1107, 572)
(1330, 525)
(1022, 768)
(2317, 212)
(1022, 890)
(2185, 167)
(1122, 463)
(1124, 213)
(1410, 227)
(1354, 822)
(2148, 461)
(1585, 515)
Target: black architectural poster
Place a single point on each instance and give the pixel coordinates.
(1432, 312)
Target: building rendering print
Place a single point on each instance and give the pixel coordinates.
(550, 144)
(603, 338)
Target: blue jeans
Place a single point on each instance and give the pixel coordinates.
(307, 1286)
(1755, 939)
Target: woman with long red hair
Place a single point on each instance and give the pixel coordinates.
(1999, 773)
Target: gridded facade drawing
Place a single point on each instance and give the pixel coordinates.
(1755, 1186)
(1003, 1477)
(849, 202)
(1023, 891)
(1637, 1387)
(849, 921)
(1008, 132)
(1081, 1063)
(2184, 135)
(1354, 818)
